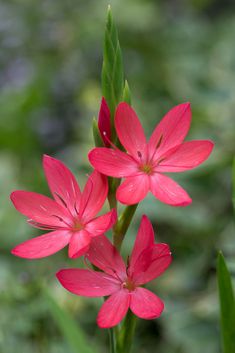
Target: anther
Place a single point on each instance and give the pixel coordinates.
(159, 141)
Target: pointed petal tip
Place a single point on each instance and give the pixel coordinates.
(12, 194)
(211, 145)
(183, 203)
(16, 252)
(145, 218)
(187, 105)
(48, 161)
(46, 158)
(122, 104)
(58, 273)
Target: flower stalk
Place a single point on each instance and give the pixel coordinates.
(112, 341)
(122, 225)
(125, 338)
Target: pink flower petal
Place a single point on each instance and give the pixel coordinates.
(144, 240)
(171, 130)
(101, 224)
(113, 162)
(168, 191)
(93, 196)
(114, 309)
(79, 244)
(130, 131)
(104, 255)
(133, 189)
(145, 304)
(151, 263)
(104, 122)
(187, 156)
(42, 246)
(87, 282)
(40, 209)
(62, 183)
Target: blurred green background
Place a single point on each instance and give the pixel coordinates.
(50, 59)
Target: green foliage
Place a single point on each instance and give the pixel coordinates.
(69, 328)
(96, 134)
(112, 69)
(126, 93)
(227, 305)
(233, 182)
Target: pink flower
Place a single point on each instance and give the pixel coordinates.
(123, 283)
(104, 122)
(70, 216)
(144, 162)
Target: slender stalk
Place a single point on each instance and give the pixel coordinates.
(112, 343)
(122, 225)
(125, 338)
(113, 184)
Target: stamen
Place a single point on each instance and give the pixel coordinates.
(160, 160)
(146, 168)
(41, 225)
(75, 207)
(61, 199)
(115, 272)
(61, 220)
(128, 284)
(157, 146)
(90, 192)
(128, 262)
(159, 141)
(109, 141)
(65, 204)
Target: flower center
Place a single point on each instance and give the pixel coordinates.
(128, 284)
(77, 225)
(146, 168)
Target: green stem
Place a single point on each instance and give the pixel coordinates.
(125, 338)
(113, 184)
(122, 225)
(112, 341)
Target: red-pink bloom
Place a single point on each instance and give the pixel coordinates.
(123, 283)
(104, 122)
(70, 216)
(144, 162)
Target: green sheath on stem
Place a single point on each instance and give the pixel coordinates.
(112, 69)
(122, 225)
(126, 334)
(96, 134)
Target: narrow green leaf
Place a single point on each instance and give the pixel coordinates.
(233, 182)
(96, 134)
(227, 305)
(70, 329)
(126, 93)
(112, 69)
